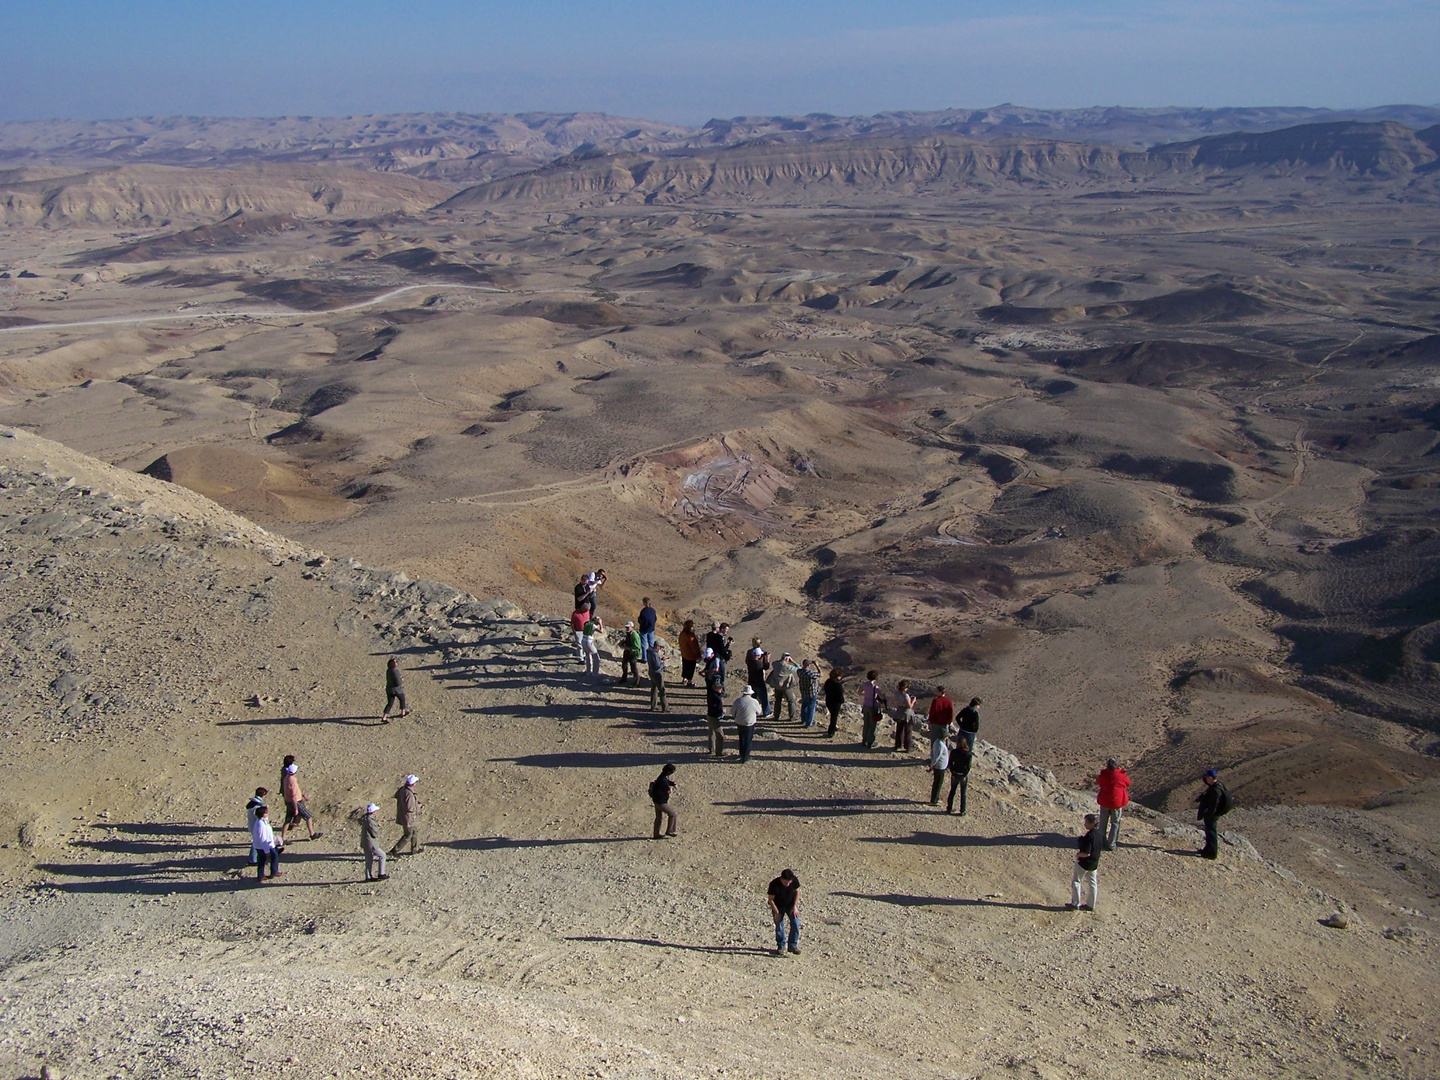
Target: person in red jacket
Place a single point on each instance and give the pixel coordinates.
(1113, 798)
(942, 715)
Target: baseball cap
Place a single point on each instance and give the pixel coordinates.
(1212, 773)
(411, 779)
(709, 653)
(370, 808)
(292, 769)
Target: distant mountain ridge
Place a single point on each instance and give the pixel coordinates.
(466, 148)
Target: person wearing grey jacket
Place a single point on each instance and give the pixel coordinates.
(370, 845)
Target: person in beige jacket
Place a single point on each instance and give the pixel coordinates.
(370, 844)
(407, 815)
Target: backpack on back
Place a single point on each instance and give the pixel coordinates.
(1224, 803)
(659, 791)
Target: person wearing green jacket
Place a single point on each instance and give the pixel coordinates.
(630, 656)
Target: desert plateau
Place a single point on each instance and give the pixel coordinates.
(1124, 421)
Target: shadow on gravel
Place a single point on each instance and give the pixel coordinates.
(731, 950)
(906, 900)
(823, 807)
(587, 760)
(266, 721)
(495, 843)
(934, 839)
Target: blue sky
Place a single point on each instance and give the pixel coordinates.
(686, 62)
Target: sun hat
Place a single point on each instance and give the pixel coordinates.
(370, 808)
(411, 779)
(747, 691)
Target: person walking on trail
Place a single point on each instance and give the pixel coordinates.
(661, 790)
(295, 809)
(262, 839)
(1085, 881)
(941, 714)
(1214, 803)
(962, 756)
(370, 844)
(785, 681)
(809, 678)
(407, 816)
(256, 801)
(394, 691)
(939, 766)
(757, 662)
(872, 705)
(578, 618)
(630, 656)
(969, 722)
(783, 895)
(689, 644)
(904, 716)
(1114, 796)
(720, 640)
(834, 698)
(645, 623)
(590, 639)
(747, 711)
(655, 665)
(714, 703)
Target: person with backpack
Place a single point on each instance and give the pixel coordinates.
(1086, 878)
(1114, 796)
(834, 698)
(1214, 803)
(714, 703)
(630, 656)
(962, 756)
(370, 844)
(719, 639)
(785, 681)
(661, 789)
(904, 716)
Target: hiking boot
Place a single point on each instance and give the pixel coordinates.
(795, 949)
(1071, 907)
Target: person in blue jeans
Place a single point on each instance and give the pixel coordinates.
(645, 623)
(809, 692)
(784, 897)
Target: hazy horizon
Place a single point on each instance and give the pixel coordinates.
(685, 65)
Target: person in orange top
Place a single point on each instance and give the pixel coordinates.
(689, 652)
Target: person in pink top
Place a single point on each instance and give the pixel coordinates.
(1113, 798)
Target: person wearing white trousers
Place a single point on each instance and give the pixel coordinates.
(1085, 881)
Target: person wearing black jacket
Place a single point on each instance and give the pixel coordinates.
(961, 758)
(969, 721)
(1086, 878)
(1214, 803)
(660, 790)
(834, 698)
(719, 639)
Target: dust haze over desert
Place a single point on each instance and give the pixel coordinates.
(1125, 420)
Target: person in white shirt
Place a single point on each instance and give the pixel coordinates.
(262, 839)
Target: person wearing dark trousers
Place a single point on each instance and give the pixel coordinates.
(714, 703)
(394, 691)
(630, 652)
(645, 623)
(904, 716)
(370, 844)
(407, 816)
(961, 758)
(969, 722)
(872, 704)
(256, 801)
(834, 699)
(757, 662)
(1086, 878)
(690, 652)
(262, 839)
(939, 766)
(655, 665)
(1214, 803)
(719, 639)
(661, 790)
(783, 895)
(747, 711)
(941, 715)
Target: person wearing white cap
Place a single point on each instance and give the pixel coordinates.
(747, 711)
(295, 809)
(370, 844)
(630, 653)
(714, 702)
(407, 815)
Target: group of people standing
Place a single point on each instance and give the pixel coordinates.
(266, 847)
